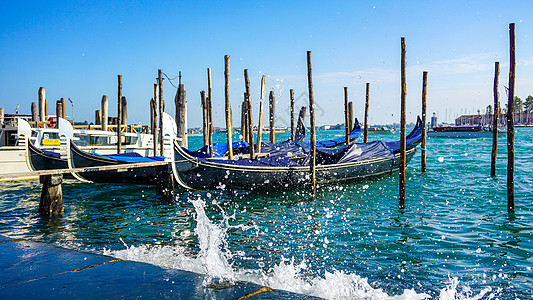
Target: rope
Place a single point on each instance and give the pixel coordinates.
(170, 79)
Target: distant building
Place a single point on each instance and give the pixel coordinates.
(486, 119)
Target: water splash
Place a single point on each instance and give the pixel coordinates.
(214, 261)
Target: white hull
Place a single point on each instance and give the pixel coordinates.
(464, 134)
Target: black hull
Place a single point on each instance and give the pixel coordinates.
(205, 175)
(143, 175)
(39, 160)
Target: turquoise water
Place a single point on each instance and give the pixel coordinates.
(454, 239)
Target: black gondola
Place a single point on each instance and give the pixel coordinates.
(40, 159)
(342, 164)
(141, 175)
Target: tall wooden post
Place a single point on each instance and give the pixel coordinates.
(351, 115)
(205, 117)
(45, 109)
(272, 111)
(161, 110)
(495, 118)
(210, 113)
(153, 124)
(249, 120)
(366, 111)
(260, 122)
(346, 115)
(1, 117)
(510, 122)
(97, 117)
(155, 128)
(51, 203)
(181, 115)
(312, 119)
(244, 119)
(63, 108)
(293, 133)
(300, 127)
(124, 116)
(229, 126)
(402, 127)
(119, 115)
(42, 97)
(105, 112)
(424, 122)
(59, 109)
(34, 112)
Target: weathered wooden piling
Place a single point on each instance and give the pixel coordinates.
(300, 127)
(424, 122)
(97, 117)
(51, 203)
(346, 116)
(229, 126)
(496, 116)
(124, 116)
(205, 117)
(210, 113)
(34, 112)
(46, 114)
(272, 118)
(293, 136)
(1, 117)
(312, 119)
(367, 101)
(105, 112)
(402, 128)
(63, 108)
(119, 114)
(510, 122)
(155, 127)
(249, 120)
(161, 110)
(350, 113)
(42, 97)
(260, 121)
(153, 124)
(244, 119)
(181, 115)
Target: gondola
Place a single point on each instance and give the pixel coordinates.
(40, 159)
(346, 163)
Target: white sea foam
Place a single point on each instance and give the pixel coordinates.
(214, 261)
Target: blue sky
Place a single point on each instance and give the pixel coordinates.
(76, 49)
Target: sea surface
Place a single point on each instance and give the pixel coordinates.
(453, 240)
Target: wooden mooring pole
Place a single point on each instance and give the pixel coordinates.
(181, 115)
(229, 126)
(365, 140)
(261, 108)
(293, 136)
(249, 120)
(402, 126)
(346, 116)
(424, 122)
(244, 120)
(155, 129)
(312, 119)
(124, 115)
(59, 111)
(63, 108)
(350, 113)
(119, 115)
(51, 203)
(165, 186)
(272, 119)
(34, 112)
(42, 97)
(97, 117)
(1, 117)
(495, 119)
(510, 123)
(209, 113)
(205, 118)
(105, 112)
(153, 124)
(161, 110)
